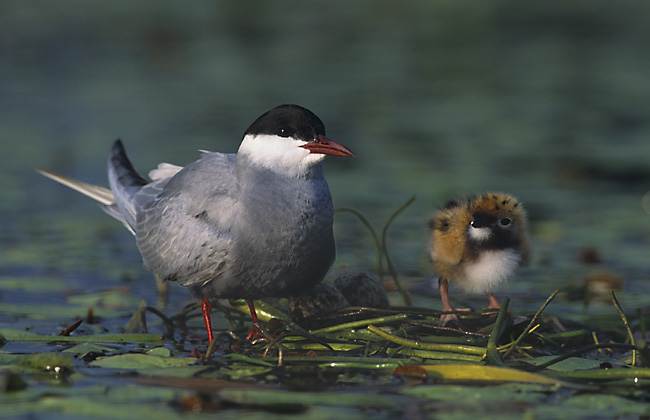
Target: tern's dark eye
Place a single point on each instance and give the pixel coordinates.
(284, 132)
(505, 221)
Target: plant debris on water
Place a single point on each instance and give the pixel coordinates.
(401, 354)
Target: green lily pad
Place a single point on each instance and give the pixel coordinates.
(160, 351)
(114, 299)
(33, 284)
(266, 397)
(46, 311)
(139, 361)
(570, 364)
(38, 362)
(88, 348)
(19, 335)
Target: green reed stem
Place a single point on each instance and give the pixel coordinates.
(375, 238)
(627, 325)
(531, 324)
(384, 247)
(362, 323)
(454, 348)
(492, 354)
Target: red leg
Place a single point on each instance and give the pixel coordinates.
(254, 331)
(494, 304)
(205, 310)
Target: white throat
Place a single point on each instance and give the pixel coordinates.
(278, 154)
(479, 234)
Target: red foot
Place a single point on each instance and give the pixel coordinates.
(254, 332)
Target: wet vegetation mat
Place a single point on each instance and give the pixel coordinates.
(356, 361)
(349, 362)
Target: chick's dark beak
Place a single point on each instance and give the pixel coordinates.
(325, 146)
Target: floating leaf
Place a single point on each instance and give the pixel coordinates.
(46, 312)
(570, 364)
(140, 361)
(478, 395)
(33, 284)
(46, 361)
(19, 335)
(176, 372)
(11, 382)
(57, 363)
(455, 373)
(88, 348)
(607, 406)
(265, 397)
(160, 351)
(106, 299)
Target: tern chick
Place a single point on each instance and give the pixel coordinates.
(478, 242)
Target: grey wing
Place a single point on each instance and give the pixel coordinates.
(183, 224)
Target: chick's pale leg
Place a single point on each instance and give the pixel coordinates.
(443, 288)
(494, 304)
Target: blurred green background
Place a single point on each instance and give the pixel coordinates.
(549, 101)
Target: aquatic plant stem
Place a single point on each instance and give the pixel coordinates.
(604, 374)
(384, 248)
(375, 238)
(453, 348)
(531, 324)
(492, 354)
(362, 323)
(627, 325)
(169, 323)
(642, 344)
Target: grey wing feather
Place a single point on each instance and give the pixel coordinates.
(164, 171)
(184, 223)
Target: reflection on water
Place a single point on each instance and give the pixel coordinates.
(547, 101)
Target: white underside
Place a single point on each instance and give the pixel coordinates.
(490, 270)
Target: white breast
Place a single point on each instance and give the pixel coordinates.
(490, 270)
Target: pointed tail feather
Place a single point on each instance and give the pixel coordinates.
(103, 195)
(97, 193)
(124, 180)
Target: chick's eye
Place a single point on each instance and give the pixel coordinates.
(505, 221)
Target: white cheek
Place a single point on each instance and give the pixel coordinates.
(479, 234)
(278, 153)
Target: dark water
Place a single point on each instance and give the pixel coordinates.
(548, 101)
